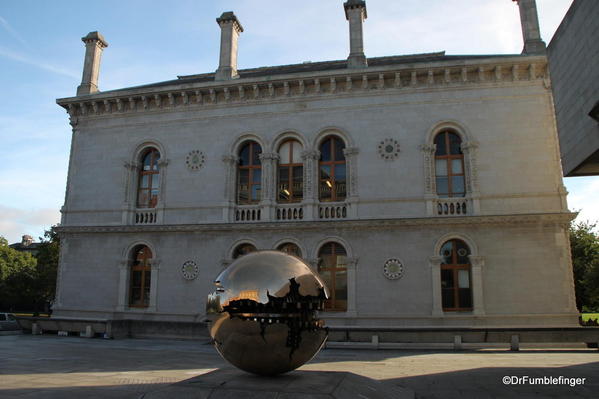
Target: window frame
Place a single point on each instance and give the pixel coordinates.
(289, 169)
(286, 245)
(448, 158)
(153, 174)
(145, 268)
(455, 267)
(333, 163)
(251, 170)
(236, 253)
(333, 304)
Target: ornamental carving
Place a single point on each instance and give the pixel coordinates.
(190, 270)
(393, 269)
(389, 149)
(195, 160)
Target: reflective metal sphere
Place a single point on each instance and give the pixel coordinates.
(263, 314)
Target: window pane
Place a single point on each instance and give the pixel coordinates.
(326, 276)
(155, 160)
(296, 156)
(454, 144)
(135, 296)
(244, 155)
(242, 193)
(147, 161)
(440, 144)
(136, 278)
(340, 190)
(463, 279)
(447, 298)
(244, 177)
(325, 190)
(340, 173)
(341, 285)
(155, 181)
(256, 175)
(442, 186)
(446, 278)
(465, 297)
(142, 198)
(446, 253)
(284, 153)
(325, 172)
(339, 147)
(145, 181)
(325, 150)
(441, 167)
(462, 252)
(147, 279)
(457, 185)
(256, 189)
(256, 151)
(342, 260)
(456, 166)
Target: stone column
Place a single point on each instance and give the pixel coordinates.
(230, 162)
(355, 13)
(430, 193)
(478, 304)
(310, 201)
(94, 46)
(73, 121)
(268, 162)
(122, 301)
(435, 267)
(155, 265)
(471, 172)
(351, 158)
(129, 190)
(351, 266)
(531, 33)
(230, 30)
(162, 167)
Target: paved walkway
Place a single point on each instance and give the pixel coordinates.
(71, 367)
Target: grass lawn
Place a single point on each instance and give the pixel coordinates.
(589, 316)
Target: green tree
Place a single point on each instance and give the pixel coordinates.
(17, 277)
(47, 267)
(584, 244)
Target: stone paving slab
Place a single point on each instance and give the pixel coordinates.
(48, 366)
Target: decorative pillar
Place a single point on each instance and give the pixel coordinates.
(230, 162)
(155, 265)
(478, 304)
(94, 46)
(162, 167)
(435, 266)
(310, 200)
(268, 162)
(230, 28)
(122, 302)
(351, 265)
(471, 171)
(355, 13)
(531, 33)
(430, 193)
(74, 122)
(129, 192)
(351, 157)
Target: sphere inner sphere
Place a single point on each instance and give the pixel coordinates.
(263, 316)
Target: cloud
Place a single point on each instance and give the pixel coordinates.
(584, 192)
(4, 23)
(15, 222)
(12, 55)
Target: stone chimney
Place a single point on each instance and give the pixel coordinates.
(355, 13)
(94, 45)
(230, 28)
(533, 44)
(26, 240)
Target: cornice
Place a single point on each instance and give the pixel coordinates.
(377, 224)
(405, 77)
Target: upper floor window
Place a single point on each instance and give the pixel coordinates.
(449, 165)
(332, 267)
(141, 277)
(332, 170)
(243, 249)
(149, 179)
(249, 174)
(455, 276)
(290, 184)
(291, 249)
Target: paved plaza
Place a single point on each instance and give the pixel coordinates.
(49, 366)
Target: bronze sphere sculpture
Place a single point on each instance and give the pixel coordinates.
(263, 315)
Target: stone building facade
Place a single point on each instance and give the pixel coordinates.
(426, 189)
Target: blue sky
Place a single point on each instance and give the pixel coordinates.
(41, 57)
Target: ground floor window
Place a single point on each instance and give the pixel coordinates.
(291, 249)
(141, 277)
(456, 276)
(243, 249)
(332, 267)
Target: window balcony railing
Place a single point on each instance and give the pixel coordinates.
(452, 207)
(333, 210)
(146, 216)
(289, 212)
(248, 213)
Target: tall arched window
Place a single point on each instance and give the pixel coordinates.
(291, 249)
(243, 249)
(449, 165)
(149, 179)
(332, 171)
(290, 184)
(456, 284)
(332, 267)
(141, 277)
(249, 174)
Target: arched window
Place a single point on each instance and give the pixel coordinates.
(291, 249)
(249, 174)
(449, 165)
(243, 249)
(149, 179)
(290, 184)
(141, 277)
(455, 276)
(332, 267)
(332, 173)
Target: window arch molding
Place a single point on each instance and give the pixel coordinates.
(476, 268)
(288, 134)
(125, 275)
(337, 240)
(290, 240)
(435, 205)
(236, 244)
(241, 140)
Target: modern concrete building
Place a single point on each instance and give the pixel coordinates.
(573, 58)
(426, 189)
